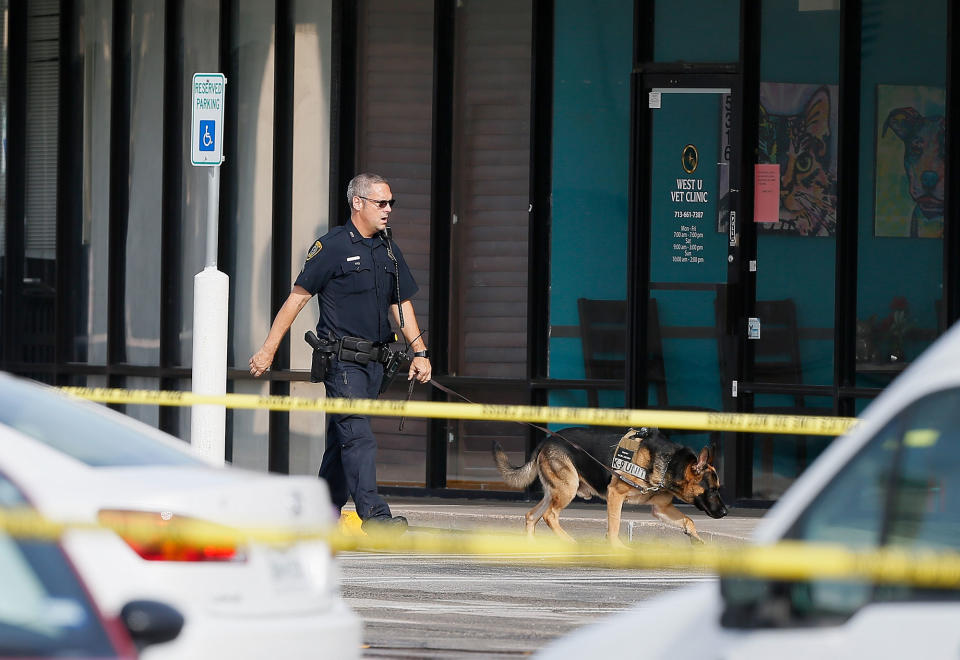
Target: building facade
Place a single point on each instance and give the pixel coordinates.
(722, 205)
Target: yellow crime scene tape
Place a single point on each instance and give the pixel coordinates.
(784, 561)
(791, 561)
(624, 418)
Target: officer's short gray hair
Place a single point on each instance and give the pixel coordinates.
(361, 184)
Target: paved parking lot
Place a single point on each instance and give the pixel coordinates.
(433, 606)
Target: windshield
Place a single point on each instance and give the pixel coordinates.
(899, 490)
(83, 432)
(43, 608)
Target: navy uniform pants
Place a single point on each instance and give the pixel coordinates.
(349, 463)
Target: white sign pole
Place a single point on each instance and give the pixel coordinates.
(211, 288)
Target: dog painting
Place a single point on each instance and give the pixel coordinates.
(911, 148)
(637, 467)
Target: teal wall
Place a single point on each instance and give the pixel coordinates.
(904, 43)
(800, 47)
(591, 135)
(697, 30)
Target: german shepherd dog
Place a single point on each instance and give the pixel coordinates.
(578, 461)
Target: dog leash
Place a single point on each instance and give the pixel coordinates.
(409, 345)
(413, 382)
(443, 388)
(643, 489)
(447, 390)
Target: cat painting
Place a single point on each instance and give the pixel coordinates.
(798, 133)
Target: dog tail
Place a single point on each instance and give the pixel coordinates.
(516, 477)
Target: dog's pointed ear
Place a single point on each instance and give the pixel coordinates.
(705, 458)
(903, 121)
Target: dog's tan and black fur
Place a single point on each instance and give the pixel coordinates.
(576, 461)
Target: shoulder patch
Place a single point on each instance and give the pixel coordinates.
(314, 249)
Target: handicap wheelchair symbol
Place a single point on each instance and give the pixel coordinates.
(208, 132)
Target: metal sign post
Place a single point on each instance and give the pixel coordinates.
(211, 288)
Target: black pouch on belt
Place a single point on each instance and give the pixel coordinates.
(355, 349)
(322, 353)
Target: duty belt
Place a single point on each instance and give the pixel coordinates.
(352, 349)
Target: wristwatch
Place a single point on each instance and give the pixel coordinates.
(424, 353)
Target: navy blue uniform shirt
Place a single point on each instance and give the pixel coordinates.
(355, 283)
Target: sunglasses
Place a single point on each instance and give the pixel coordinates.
(381, 203)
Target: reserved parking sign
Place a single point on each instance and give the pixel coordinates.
(206, 137)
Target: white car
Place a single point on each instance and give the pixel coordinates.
(79, 461)
(46, 610)
(893, 480)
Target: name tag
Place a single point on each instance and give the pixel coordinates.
(356, 258)
(625, 454)
(623, 460)
(630, 468)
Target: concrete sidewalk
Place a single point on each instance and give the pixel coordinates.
(580, 519)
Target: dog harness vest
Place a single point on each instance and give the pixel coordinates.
(625, 458)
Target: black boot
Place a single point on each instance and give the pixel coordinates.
(385, 525)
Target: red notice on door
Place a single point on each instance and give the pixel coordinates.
(766, 193)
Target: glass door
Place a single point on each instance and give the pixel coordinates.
(688, 179)
(692, 248)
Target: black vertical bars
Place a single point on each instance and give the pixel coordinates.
(226, 228)
(951, 216)
(638, 195)
(227, 231)
(279, 451)
(343, 107)
(119, 190)
(738, 447)
(16, 181)
(441, 202)
(538, 236)
(171, 207)
(69, 188)
(848, 176)
(750, 54)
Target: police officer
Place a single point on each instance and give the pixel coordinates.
(357, 274)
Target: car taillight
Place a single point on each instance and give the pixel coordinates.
(163, 536)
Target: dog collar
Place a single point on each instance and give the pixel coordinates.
(631, 482)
